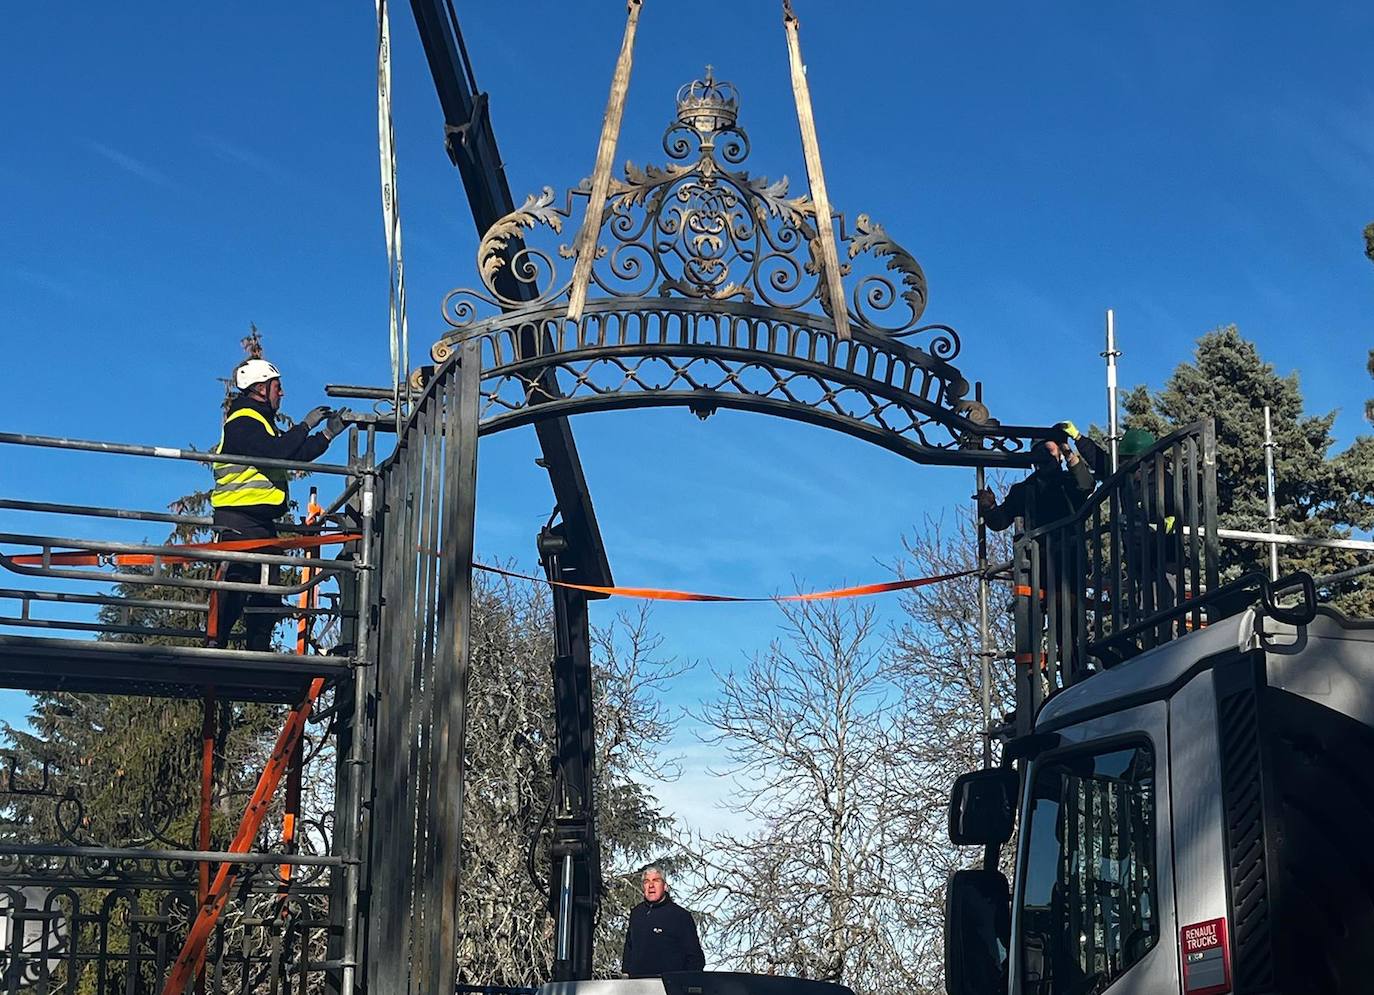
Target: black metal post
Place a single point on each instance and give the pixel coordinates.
(575, 875)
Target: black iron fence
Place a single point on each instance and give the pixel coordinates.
(1137, 566)
(115, 924)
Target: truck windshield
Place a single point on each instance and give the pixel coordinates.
(1088, 902)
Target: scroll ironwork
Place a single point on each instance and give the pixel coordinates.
(707, 292)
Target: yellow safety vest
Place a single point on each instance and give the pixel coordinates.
(239, 486)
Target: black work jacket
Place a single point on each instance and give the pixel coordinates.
(1098, 459)
(662, 937)
(247, 437)
(1044, 497)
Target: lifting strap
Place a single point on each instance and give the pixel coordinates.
(811, 149)
(391, 215)
(584, 249)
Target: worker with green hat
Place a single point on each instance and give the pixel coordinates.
(1152, 541)
(1135, 442)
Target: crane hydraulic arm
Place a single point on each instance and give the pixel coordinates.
(471, 144)
(570, 550)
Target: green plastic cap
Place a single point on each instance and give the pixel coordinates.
(1135, 442)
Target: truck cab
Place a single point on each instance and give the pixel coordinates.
(1185, 790)
(1197, 819)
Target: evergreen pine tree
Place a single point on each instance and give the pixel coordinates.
(1319, 492)
(1369, 364)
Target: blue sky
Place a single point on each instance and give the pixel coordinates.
(174, 173)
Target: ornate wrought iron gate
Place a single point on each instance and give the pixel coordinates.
(712, 299)
(709, 297)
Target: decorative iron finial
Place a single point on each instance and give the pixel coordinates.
(708, 105)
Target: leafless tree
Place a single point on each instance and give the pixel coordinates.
(810, 732)
(505, 930)
(935, 657)
(844, 740)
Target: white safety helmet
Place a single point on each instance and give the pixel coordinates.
(255, 371)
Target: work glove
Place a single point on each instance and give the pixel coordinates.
(336, 424)
(314, 416)
(1069, 429)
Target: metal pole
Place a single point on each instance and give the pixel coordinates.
(1113, 426)
(984, 649)
(350, 836)
(1270, 485)
(1282, 539)
(565, 898)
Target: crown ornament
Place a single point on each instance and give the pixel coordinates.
(708, 105)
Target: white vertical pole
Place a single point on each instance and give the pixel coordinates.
(1270, 485)
(984, 636)
(1113, 425)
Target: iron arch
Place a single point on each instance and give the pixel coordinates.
(706, 293)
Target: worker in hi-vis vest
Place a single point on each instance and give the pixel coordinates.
(248, 500)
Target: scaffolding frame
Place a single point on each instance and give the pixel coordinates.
(61, 898)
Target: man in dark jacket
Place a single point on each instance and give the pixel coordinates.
(1052, 491)
(248, 500)
(662, 936)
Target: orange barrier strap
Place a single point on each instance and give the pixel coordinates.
(77, 557)
(657, 594)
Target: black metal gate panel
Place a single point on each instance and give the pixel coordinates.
(428, 493)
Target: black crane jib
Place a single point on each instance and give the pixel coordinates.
(471, 144)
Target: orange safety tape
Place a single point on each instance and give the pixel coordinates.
(78, 557)
(658, 594)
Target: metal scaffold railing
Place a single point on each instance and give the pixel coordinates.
(1136, 566)
(96, 611)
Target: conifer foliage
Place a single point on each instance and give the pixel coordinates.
(1320, 491)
